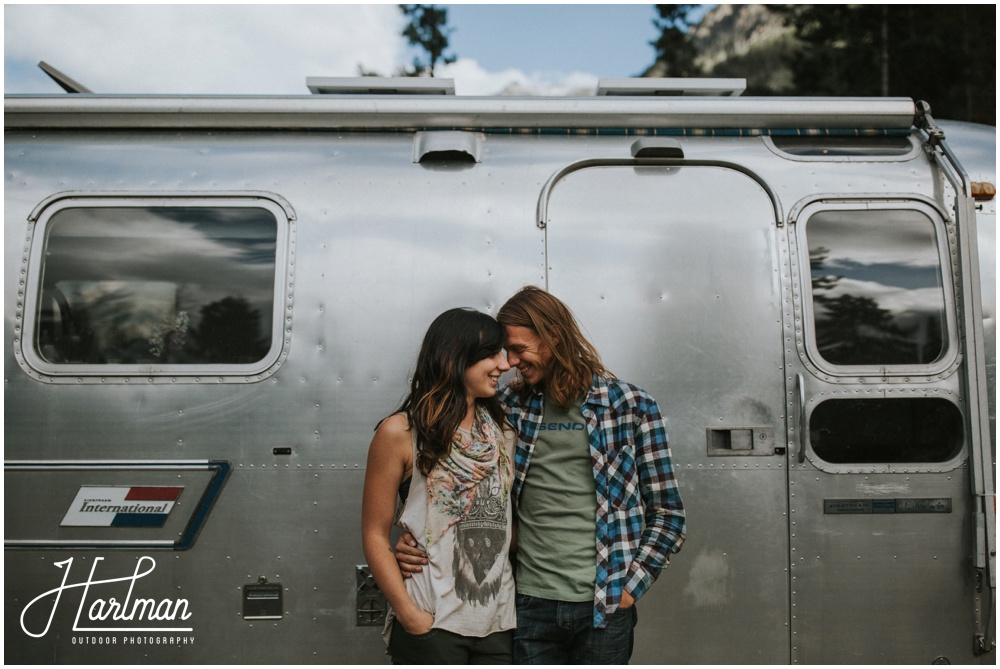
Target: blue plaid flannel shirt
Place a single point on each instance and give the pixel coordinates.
(640, 516)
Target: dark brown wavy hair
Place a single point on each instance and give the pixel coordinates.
(436, 403)
(574, 359)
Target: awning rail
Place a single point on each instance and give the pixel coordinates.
(439, 111)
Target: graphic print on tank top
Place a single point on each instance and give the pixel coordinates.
(480, 538)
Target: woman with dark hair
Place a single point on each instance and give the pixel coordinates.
(448, 451)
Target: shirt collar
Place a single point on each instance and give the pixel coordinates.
(599, 393)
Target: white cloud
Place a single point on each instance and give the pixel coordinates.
(471, 79)
(249, 49)
(232, 49)
(891, 298)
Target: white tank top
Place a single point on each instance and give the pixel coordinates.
(468, 583)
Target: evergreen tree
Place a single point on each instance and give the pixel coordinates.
(675, 53)
(428, 30)
(944, 54)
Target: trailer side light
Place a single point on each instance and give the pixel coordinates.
(983, 190)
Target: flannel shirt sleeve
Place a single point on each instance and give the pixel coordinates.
(665, 525)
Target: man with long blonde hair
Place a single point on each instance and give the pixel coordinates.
(598, 507)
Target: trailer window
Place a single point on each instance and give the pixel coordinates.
(184, 285)
(826, 146)
(902, 430)
(877, 289)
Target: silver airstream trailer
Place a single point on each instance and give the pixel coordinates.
(211, 301)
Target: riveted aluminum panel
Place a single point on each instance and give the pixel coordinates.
(382, 246)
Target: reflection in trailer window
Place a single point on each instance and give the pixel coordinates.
(183, 285)
(877, 287)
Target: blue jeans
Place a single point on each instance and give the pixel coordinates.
(553, 632)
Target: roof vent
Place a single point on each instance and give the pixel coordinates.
(380, 86)
(671, 87)
(657, 147)
(448, 145)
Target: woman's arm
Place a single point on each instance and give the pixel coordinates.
(389, 459)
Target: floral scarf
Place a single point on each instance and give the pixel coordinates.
(451, 485)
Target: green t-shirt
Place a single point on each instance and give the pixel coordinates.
(557, 511)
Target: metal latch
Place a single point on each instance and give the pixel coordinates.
(262, 600)
(742, 440)
(372, 606)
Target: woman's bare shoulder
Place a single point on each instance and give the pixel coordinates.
(396, 425)
(393, 436)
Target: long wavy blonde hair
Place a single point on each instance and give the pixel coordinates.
(575, 361)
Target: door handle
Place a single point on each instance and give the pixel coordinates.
(800, 389)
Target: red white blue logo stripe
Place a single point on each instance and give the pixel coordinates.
(121, 506)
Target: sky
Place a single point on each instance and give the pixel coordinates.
(267, 49)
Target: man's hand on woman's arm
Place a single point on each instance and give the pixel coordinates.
(408, 556)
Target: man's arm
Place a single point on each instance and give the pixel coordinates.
(409, 558)
(665, 523)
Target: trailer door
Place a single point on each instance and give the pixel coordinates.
(674, 274)
(882, 531)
